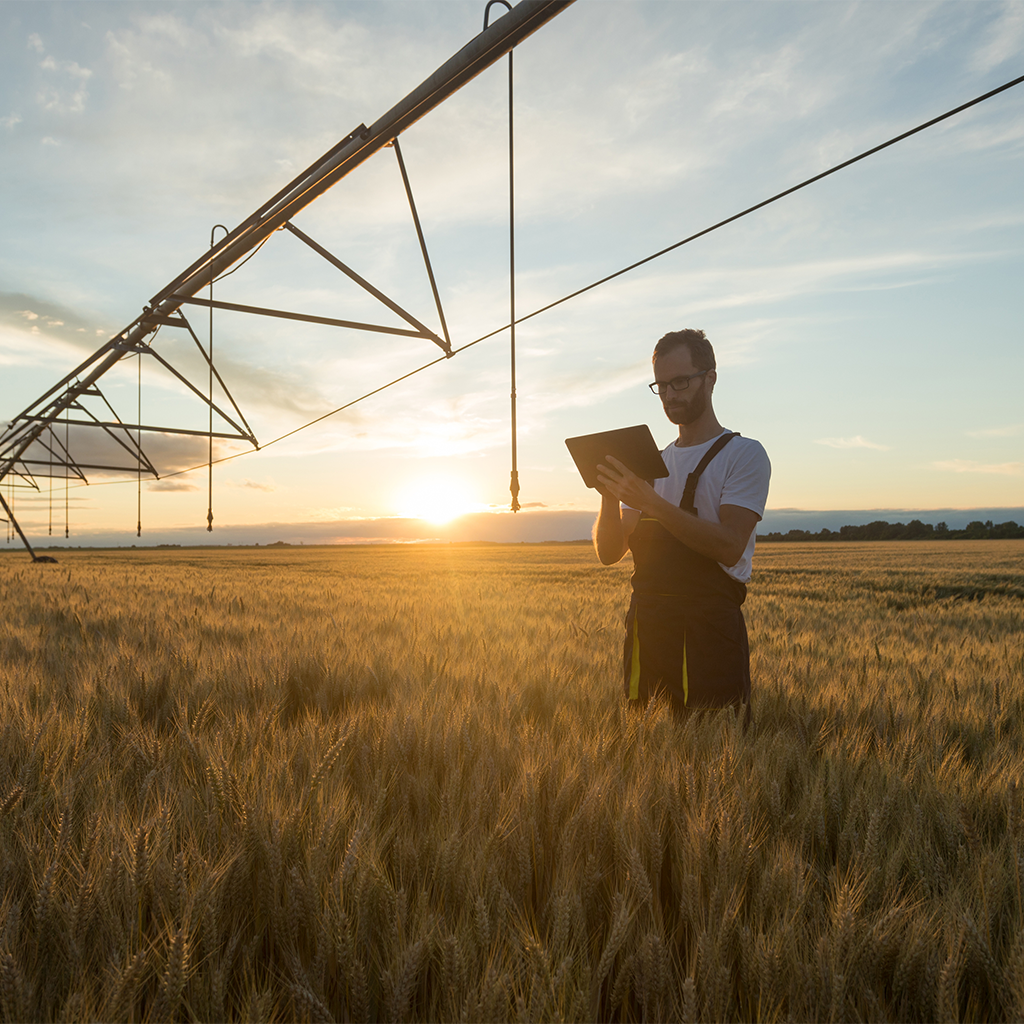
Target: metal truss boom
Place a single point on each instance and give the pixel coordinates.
(165, 307)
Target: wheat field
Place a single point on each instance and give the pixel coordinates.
(401, 784)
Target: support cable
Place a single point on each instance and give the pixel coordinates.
(777, 196)
(610, 277)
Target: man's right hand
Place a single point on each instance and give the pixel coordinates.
(612, 529)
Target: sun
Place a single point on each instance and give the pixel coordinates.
(437, 500)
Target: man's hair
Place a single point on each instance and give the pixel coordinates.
(701, 352)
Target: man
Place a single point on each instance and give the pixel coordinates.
(692, 545)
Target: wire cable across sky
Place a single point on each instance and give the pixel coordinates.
(611, 277)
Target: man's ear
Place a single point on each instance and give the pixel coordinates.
(712, 377)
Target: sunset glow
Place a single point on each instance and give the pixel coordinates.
(436, 500)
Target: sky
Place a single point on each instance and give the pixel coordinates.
(868, 329)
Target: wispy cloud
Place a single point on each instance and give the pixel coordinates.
(1010, 430)
(254, 485)
(1005, 39)
(18, 310)
(969, 466)
(64, 91)
(172, 485)
(851, 442)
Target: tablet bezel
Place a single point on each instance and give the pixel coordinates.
(634, 447)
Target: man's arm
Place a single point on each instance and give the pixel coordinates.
(612, 529)
(724, 541)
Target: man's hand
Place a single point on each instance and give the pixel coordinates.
(625, 485)
(724, 541)
(613, 527)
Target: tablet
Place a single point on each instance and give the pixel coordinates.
(634, 447)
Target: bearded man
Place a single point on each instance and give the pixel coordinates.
(692, 538)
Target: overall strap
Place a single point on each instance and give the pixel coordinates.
(690, 490)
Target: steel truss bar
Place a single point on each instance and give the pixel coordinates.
(141, 459)
(155, 320)
(236, 307)
(79, 465)
(14, 523)
(67, 460)
(220, 380)
(133, 449)
(184, 380)
(26, 476)
(104, 349)
(424, 332)
(68, 463)
(142, 426)
(423, 248)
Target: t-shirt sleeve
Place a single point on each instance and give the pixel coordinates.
(746, 483)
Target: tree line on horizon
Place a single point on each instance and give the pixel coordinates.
(914, 530)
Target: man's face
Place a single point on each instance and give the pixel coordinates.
(683, 407)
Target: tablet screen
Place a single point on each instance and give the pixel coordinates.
(634, 447)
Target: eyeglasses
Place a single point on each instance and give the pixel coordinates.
(676, 384)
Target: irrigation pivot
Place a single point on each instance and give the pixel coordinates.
(37, 442)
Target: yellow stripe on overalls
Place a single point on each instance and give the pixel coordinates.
(634, 666)
(686, 681)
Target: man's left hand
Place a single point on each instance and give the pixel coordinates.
(622, 482)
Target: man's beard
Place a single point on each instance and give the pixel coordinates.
(685, 412)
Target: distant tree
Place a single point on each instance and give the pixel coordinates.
(1007, 531)
(914, 530)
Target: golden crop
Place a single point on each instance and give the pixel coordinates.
(401, 783)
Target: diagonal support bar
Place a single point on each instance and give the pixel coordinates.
(14, 523)
(424, 332)
(306, 317)
(423, 248)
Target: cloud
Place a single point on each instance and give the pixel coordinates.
(1010, 430)
(851, 442)
(62, 96)
(10, 121)
(1005, 39)
(253, 484)
(969, 466)
(17, 307)
(171, 485)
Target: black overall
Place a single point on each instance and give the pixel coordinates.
(685, 633)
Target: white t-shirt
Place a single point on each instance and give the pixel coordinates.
(737, 475)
